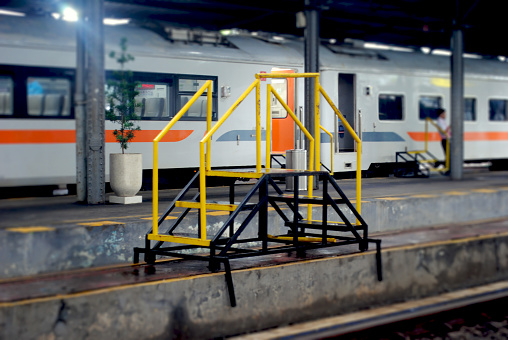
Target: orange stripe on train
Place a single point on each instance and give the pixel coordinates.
(468, 136)
(69, 136)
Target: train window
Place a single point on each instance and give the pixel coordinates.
(187, 87)
(6, 96)
(281, 86)
(429, 106)
(469, 109)
(153, 99)
(390, 107)
(497, 109)
(48, 97)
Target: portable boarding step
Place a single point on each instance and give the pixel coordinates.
(416, 164)
(228, 243)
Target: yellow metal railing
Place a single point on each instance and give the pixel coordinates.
(358, 149)
(205, 148)
(441, 131)
(155, 176)
(331, 148)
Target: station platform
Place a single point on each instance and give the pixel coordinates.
(66, 269)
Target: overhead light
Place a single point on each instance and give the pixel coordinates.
(56, 15)
(226, 32)
(425, 50)
(70, 14)
(115, 22)
(12, 13)
(501, 58)
(442, 52)
(472, 56)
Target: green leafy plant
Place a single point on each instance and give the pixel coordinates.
(120, 97)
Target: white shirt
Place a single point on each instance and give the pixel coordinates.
(441, 122)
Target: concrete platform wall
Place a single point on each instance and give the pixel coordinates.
(26, 251)
(198, 307)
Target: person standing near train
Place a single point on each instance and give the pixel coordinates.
(441, 122)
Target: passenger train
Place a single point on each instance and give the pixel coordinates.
(385, 96)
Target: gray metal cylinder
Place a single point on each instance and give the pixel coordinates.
(296, 159)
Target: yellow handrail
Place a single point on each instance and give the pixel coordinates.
(331, 148)
(206, 164)
(176, 118)
(358, 150)
(447, 155)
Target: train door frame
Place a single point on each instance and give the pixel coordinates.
(347, 105)
(279, 125)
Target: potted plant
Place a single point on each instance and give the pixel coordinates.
(125, 169)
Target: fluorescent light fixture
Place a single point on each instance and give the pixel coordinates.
(11, 13)
(278, 38)
(376, 46)
(226, 32)
(115, 22)
(70, 14)
(472, 56)
(442, 52)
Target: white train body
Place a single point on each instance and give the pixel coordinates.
(32, 155)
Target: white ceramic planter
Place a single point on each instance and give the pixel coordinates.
(125, 173)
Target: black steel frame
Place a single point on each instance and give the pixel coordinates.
(224, 248)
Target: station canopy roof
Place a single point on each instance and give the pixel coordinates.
(407, 23)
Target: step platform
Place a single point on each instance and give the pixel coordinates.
(229, 242)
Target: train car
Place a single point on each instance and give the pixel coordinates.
(385, 96)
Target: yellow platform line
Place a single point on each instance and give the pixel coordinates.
(26, 230)
(100, 223)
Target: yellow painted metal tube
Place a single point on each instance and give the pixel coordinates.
(202, 191)
(293, 116)
(311, 147)
(358, 150)
(183, 110)
(269, 89)
(426, 148)
(339, 114)
(155, 189)
(209, 116)
(258, 127)
(317, 123)
(286, 75)
(359, 179)
(155, 170)
(331, 147)
(221, 121)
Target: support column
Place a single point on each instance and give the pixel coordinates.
(311, 66)
(79, 107)
(95, 115)
(457, 109)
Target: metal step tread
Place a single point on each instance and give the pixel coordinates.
(333, 226)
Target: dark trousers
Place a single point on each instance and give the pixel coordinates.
(443, 144)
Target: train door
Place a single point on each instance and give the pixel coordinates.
(347, 105)
(283, 131)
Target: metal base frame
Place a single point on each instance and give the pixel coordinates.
(226, 244)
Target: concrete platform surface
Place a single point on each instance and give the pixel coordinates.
(42, 235)
(183, 300)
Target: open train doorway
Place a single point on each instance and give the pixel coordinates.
(283, 127)
(347, 105)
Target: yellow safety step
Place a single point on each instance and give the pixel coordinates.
(179, 239)
(209, 206)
